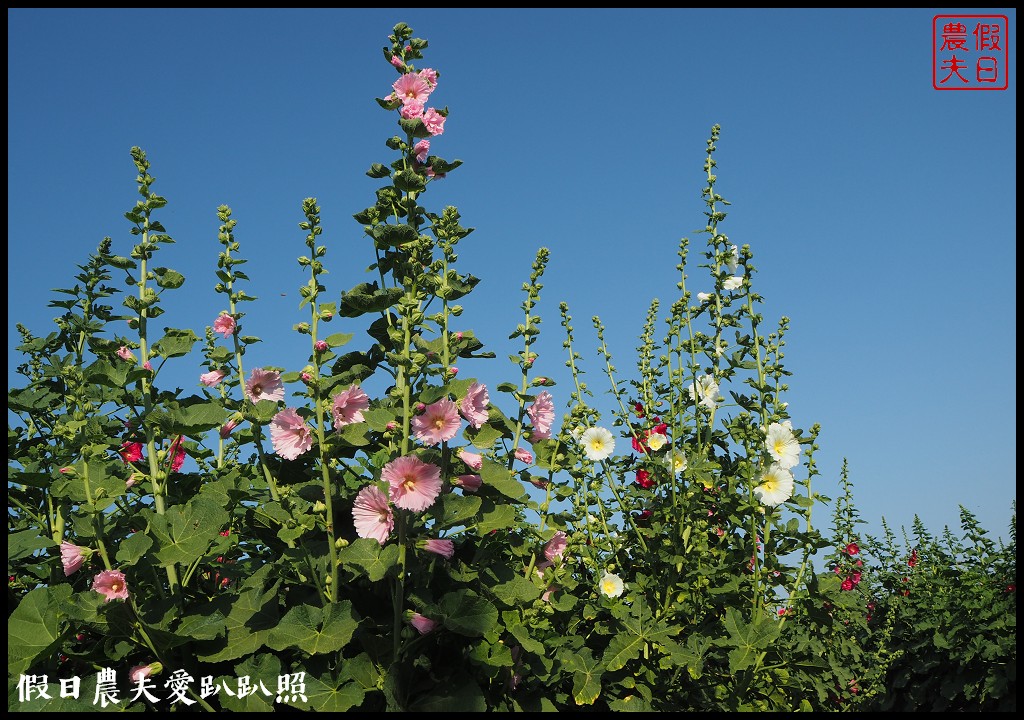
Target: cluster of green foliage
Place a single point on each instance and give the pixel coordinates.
(245, 564)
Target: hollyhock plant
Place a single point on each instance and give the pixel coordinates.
(290, 434)
(542, 414)
(72, 557)
(555, 547)
(438, 423)
(473, 460)
(423, 624)
(776, 486)
(111, 584)
(225, 325)
(264, 385)
(421, 149)
(445, 548)
(372, 515)
(434, 121)
(176, 452)
(347, 406)
(735, 282)
(212, 378)
(782, 445)
(611, 585)
(473, 406)
(705, 392)
(130, 451)
(413, 484)
(468, 483)
(411, 88)
(644, 479)
(598, 443)
(524, 455)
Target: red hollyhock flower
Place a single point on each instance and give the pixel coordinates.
(639, 409)
(847, 584)
(912, 562)
(131, 451)
(644, 479)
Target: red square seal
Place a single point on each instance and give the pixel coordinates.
(970, 52)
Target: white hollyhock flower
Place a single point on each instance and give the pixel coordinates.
(705, 391)
(611, 585)
(597, 443)
(782, 445)
(733, 283)
(776, 486)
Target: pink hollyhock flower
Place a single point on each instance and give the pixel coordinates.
(473, 460)
(72, 557)
(320, 346)
(554, 547)
(473, 406)
(411, 88)
(130, 451)
(230, 425)
(111, 584)
(438, 423)
(130, 481)
(212, 378)
(468, 483)
(422, 623)
(148, 366)
(264, 385)
(542, 414)
(140, 672)
(414, 484)
(224, 324)
(852, 548)
(445, 548)
(411, 110)
(421, 149)
(372, 514)
(289, 434)
(855, 578)
(429, 76)
(524, 455)
(125, 353)
(177, 454)
(434, 121)
(348, 406)
(397, 62)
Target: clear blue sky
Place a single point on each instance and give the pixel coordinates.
(881, 212)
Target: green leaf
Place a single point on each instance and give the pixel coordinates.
(515, 591)
(354, 434)
(397, 234)
(367, 556)
(466, 613)
(368, 298)
(338, 339)
(323, 694)
(495, 517)
(498, 477)
(483, 437)
(314, 630)
(587, 672)
(458, 694)
(747, 639)
(454, 509)
(33, 629)
(378, 171)
(623, 648)
(23, 543)
(204, 625)
(185, 533)
(193, 419)
(133, 548)
(175, 343)
(167, 278)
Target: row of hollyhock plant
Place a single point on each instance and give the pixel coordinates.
(373, 531)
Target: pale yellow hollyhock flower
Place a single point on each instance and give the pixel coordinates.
(656, 441)
(597, 442)
(611, 585)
